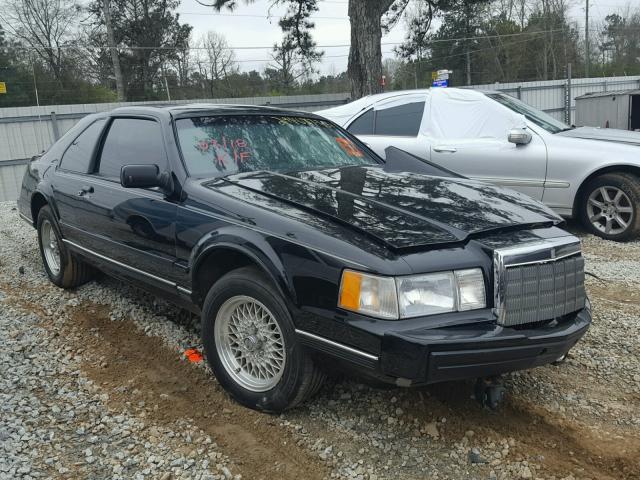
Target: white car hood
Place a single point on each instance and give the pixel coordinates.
(604, 134)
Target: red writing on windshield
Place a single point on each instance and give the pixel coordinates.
(226, 149)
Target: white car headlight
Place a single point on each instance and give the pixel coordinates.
(414, 295)
(426, 294)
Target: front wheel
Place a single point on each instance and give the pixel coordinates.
(609, 206)
(251, 346)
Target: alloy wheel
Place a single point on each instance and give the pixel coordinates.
(609, 210)
(249, 343)
(50, 247)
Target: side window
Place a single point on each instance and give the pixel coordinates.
(77, 157)
(363, 125)
(403, 120)
(131, 141)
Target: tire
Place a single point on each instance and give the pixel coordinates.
(289, 382)
(69, 271)
(610, 206)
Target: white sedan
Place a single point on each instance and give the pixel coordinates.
(592, 174)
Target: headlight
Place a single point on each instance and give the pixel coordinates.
(369, 294)
(426, 294)
(414, 295)
(471, 293)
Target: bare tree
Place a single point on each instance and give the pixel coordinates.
(46, 26)
(214, 61)
(181, 62)
(221, 57)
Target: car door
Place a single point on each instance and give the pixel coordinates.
(71, 176)
(134, 227)
(496, 160)
(470, 135)
(393, 122)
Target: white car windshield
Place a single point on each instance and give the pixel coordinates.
(534, 115)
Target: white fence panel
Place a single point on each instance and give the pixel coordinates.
(10, 180)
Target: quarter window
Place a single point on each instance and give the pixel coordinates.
(131, 141)
(363, 125)
(403, 120)
(78, 155)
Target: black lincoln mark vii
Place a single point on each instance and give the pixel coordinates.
(297, 244)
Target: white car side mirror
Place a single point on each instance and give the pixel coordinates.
(519, 136)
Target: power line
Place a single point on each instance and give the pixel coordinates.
(250, 15)
(345, 45)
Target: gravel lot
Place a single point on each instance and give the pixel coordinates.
(94, 384)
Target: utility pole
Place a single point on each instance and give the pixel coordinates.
(586, 42)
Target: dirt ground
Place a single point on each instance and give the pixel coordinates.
(577, 420)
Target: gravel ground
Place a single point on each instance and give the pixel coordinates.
(94, 384)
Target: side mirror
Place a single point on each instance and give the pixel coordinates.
(519, 136)
(145, 176)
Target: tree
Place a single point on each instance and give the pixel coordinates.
(45, 26)
(111, 42)
(216, 62)
(368, 18)
(148, 35)
(621, 43)
(293, 58)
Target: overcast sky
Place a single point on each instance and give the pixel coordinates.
(250, 26)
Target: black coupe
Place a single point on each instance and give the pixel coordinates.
(298, 246)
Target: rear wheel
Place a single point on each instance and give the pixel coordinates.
(62, 267)
(251, 345)
(610, 206)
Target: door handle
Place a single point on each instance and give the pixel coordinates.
(84, 190)
(445, 149)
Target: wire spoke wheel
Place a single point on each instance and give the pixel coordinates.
(609, 210)
(249, 343)
(50, 247)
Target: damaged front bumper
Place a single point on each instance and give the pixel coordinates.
(428, 354)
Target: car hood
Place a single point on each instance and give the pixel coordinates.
(604, 134)
(401, 210)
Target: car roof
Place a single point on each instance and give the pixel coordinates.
(193, 109)
(342, 113)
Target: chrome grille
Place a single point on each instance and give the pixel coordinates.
(544, 291)
(539, 282)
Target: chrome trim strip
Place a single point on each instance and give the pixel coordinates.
(537, 262)
(26, 219)
(186, 291)
(120, 264)
(338, 345)
(510, 182)
(556, 184)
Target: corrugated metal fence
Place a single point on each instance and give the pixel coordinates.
(558, 97)
(25, 131)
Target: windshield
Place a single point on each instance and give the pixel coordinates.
(222, 145)
(534, 115)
